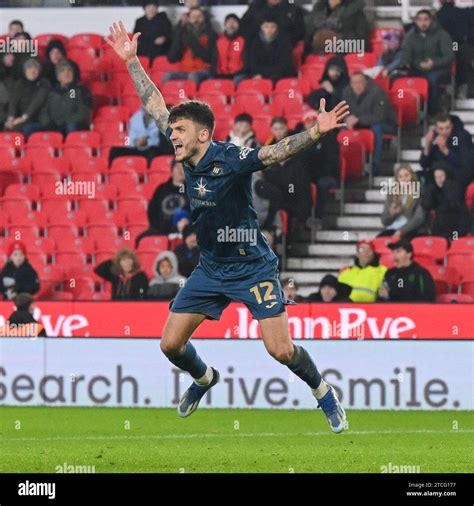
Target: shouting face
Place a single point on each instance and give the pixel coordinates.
(188, 138)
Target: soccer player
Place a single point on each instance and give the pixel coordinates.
(236, 262)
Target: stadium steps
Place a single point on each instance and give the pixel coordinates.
(356, 222)
(314, 264)
(329, 249)
(369, 208)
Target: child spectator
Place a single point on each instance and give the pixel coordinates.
(129, 282)
(167, 282)
(331, 290)
(22, 318)
(17, 275)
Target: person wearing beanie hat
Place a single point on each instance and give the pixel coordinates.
(181, 218)
(331, 290)
(334, 79)
(21, 322)
(29, 95)
(366, 275)
(17, 274)
(62, 114)
(156, 30)
(188, 252)
(56, 53)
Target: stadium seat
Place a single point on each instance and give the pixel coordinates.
(467, 282)
(354, 156)
(470, 197)
(162, 163)
(17, 204)
(454, 297)
(24, 233)
(86, 40)
(93, 207)
(32, 218)
(223, 126)
(262, 128)
(30, 191)
(113, 113)
(416, 85)
(185, 88)
(430, 246)
(259, 85)
(147, 262)
(293, 84)
(312, 73)
(212, 86)
(131, 102)
(461, 261)
(14, 139)
(463, 245)
(38, 260)
(104, 126)
(52, 139)
(56, 205)
(360, 61)
(59, 166)
(215, 100)
(45, 245)
(80, 288)
(7, 155)
(387, 260)
(132, 205)
(156, 243)
(44, 39)
(106, 191)
(157, 178)
(125, 181)
(284, 105)
(407, 105)
(445, 278)
(363, 136)
(138, 164)
(381, 245)
(63, 234)
(318, 59)
(100, 232)
(92, 164)
(69, 260)
(83, 138)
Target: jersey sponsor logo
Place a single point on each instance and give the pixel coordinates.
(216, 171)
(244, 152)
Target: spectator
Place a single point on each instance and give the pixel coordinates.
(69, 104)
(459, 23)
(56, 54)
(166, 200)
(403, 215)
(129, 282)
(269, 54)
(366, 275)
(188, 252)
(288, 15)
(370, 108)
(227, 56)
(330, 290)
(4, 103)
(14, 27)
(407, 281)
(333, 81)
(202, 4)
(445, 196)
(321, 162)
(18, 276)
(145, 138)
(448, 141)
(24, 50)
(22, 318)
(181, 219)
(29, 95)
(427, 52)
(242, 134)
(391, 57)
(167, 282)
(290, 290)
(155, 28)
(192, 46)
(343, 19)
(267, 197)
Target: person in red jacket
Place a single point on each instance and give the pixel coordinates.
(227, 57)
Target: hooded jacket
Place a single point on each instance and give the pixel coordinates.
(339, 85)
(61, 109)
(26, 278)
(165, 288)
(436, 44)
(49, 68)
(460, 157)
(131, 287)
(372, 107)
(342, 290)
(365, 281)
(28, 97)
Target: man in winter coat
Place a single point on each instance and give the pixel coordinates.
(18, 276)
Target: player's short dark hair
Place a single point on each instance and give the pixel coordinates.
(23, 301)
(279, 119)
(442, 118)
(243, 117)
(424, 11)
(194, 110)
(232, 15)
(16, 22)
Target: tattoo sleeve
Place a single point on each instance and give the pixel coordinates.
(288, 146)
(150, 96)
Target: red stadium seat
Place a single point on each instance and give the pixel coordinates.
(312, 74)
(215, 100)
(416, 85)
(360, 61)
(262, 128)
(293, 84)
(470, 197)
(461, 261)
(83, 138)
(63, 234)
(132, 205)
(354, 156)
(162, 163)
(381, 245)
(223, 125)
(44, 39)
(387, 260)
(131, 102)
(318, 59)
(259, 85)
(93, 207)
(38, 260)
(86, 40)
(429, 246)
(102, 232)
(212, 86)
(463, 245)
(7, 155)
(125, 181)
(155, 243)
(163, 64)
(30, 191)
(185, 88)
(454, 297)
(445, 278)
(113, 113)
(45, 245)
(24, 233)
(285, 104)
(12, 205)
(14, 139)
(35, 218)
(147, 262)
(51, 139)
(70, 260)
(93, 164)
(156, 179)
(407, 105)
(124, 163)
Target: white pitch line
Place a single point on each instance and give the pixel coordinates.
(234, 435)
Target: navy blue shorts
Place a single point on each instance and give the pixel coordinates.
(210, 293)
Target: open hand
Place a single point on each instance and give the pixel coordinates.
(329, 120)
(119, 40)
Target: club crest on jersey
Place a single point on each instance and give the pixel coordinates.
(244, 153)
(201, 188)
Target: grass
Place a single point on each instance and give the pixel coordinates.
(38, 439)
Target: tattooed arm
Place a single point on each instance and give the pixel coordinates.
(150, 96)
(290, 146)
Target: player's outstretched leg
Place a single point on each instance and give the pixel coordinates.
(278, 343)
(180, 352)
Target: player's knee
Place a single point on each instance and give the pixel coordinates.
(170, 348)
(282, 354)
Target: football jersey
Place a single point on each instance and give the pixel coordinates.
(219, 189)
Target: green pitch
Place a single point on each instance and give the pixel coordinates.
(39, 439)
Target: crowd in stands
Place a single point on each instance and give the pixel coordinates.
(277, 48)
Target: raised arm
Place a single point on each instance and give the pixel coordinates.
(149, 94)
(293, 144)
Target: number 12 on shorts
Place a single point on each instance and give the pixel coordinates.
(268, 286)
